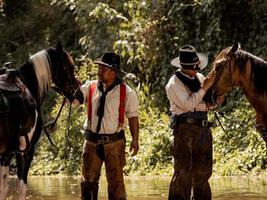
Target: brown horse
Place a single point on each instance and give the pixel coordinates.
(238, 68)
(21, 95)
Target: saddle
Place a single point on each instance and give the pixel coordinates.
(14, 97)
(8, 82)
(8, 78)
(11, 85)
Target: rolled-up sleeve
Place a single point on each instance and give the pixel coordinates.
(132, 103)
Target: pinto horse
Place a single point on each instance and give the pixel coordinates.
(21, 94)
(236, 67)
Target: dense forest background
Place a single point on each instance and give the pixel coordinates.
(147, 34)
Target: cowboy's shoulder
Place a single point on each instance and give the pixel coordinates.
(128, 89)
(173, 81)
(130, 93)
(88, 83)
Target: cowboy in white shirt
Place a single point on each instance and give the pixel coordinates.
(192, 149)
(109, 100)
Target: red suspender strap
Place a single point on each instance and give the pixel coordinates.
(122, 103)
(90, 97)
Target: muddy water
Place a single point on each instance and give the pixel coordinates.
(156, 188)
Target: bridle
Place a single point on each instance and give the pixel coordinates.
(59, 66)
(219, 71)
(50, 125)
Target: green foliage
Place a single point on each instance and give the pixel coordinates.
(155, 140)
(147, 35)
(25, 32)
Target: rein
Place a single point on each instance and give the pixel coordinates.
(51, 125)
(213, 95)
(218, 119)
(67, 136)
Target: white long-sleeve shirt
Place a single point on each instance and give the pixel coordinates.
(110, 122)
(181, 99)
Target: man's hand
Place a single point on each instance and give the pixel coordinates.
(134, 147)
(207, 83)
(220, 100)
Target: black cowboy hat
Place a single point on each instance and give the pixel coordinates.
(188, 58)
(110, 60)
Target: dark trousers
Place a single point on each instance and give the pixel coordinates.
(91, 168)
(192, 151)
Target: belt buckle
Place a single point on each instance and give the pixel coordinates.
(104, 139)
(189, 120)
(205, 123)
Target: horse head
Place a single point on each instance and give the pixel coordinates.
(63, 77)
(223, 65)
(235, 67)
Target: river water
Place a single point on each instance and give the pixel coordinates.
(155, 188)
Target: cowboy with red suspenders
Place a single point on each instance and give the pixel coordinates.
(109, 101)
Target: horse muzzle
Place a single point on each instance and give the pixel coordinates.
(77, 95)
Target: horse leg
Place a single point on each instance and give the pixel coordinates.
(26, 137)
(27, 158)
(23, 166)
(21, 185)
(22, 160)
(4, 174)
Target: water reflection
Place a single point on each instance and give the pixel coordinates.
(68, 188)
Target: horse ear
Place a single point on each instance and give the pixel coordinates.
(236, 46)
(59, 46)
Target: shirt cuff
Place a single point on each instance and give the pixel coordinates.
(133, 114)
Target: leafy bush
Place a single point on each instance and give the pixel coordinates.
(147, 35)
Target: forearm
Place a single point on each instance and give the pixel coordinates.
(134, 127)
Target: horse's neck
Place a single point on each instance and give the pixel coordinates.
(256, 100)
(37, 75)
(29, 78)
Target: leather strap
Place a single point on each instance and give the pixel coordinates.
(91, 93)
(122, 103)
(103, 138)
(194, 121)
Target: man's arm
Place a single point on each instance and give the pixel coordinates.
(134, 129)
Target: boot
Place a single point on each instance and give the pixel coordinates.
(89, 190)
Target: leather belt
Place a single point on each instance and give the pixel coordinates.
(99, 138)
(194, 121)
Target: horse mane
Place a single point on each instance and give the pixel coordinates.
(41, 63)
(258, 67)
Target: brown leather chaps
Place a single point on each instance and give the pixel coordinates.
(91, 168)
(192, 151)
